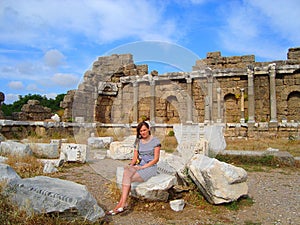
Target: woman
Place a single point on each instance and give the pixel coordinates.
(147, 150)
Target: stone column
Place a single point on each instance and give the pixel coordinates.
(135, 102)
(209, 97)
(273, 105)
(219, 119)
(189, 118)
(251, 105)
(152, 102)
(121, 108)
(242, 120)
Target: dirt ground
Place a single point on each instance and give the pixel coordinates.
(274, 198)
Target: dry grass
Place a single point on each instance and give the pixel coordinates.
(118, 134)
(25, 166)
(113, 191)
(291, 146)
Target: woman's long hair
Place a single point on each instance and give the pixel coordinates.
(139, 126)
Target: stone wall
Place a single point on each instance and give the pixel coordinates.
(67, 104)
(230, 90)
(214, 60)
(102, 80)
(293, 54)
(32, 111)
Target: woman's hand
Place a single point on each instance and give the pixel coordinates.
(137, 167)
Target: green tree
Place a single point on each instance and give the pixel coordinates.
(53, 104)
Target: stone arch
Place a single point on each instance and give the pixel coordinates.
(171, 109)
(181, 101)
(293, 106)
(232, 114)
(287, 91)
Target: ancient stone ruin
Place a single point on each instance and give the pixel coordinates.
(245, 97)
(32, 111)
(234, 91)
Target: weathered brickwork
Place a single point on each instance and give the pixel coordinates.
(33, 111)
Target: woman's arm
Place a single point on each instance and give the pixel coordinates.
(155, 160)
(134, 158)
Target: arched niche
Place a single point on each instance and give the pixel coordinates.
(293, 106)
(231, 108)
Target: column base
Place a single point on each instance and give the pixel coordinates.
(273, 123)
(189, 122)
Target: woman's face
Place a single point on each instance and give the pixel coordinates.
(144, 131)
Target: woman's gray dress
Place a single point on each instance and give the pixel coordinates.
(146, 153)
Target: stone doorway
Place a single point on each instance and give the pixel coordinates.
(171, 109)
(103, 109)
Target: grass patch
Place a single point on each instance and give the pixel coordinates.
(194, 198)
(245, 159)
(248, 222)
(291, 146)
(252, 163)
(240, 203)
(169, 143)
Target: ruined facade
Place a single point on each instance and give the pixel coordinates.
(223, 90)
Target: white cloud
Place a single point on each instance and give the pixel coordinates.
(282, 16)
(65, 80)
(33, 88)
(10, 98)
(26, 68)
(51, 95)
(261, 27)
(43, 23)
(54, 58)
(16, 85)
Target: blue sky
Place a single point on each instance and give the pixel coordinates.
(47, 45)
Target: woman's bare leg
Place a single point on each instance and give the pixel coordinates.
(130, 175)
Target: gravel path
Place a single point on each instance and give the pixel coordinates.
(276, 196)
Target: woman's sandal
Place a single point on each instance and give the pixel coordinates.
(117, 211)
